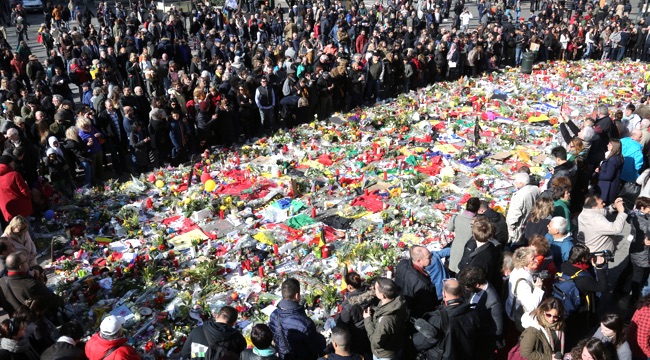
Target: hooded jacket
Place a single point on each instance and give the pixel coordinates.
(352, 316)
(15, 197)
(211, 333)
(535, 343)
(386, 328)
(97, 347)
(499, 222)
(417, 289)
(294, 332)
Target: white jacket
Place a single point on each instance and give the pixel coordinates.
(521, 204)
(528, 295)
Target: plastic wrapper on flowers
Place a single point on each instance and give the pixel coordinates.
(168, 249)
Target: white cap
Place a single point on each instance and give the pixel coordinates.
(205, 73)
(111, 325)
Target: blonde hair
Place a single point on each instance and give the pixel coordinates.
(72, 133)
(16, 222)
(82, 122)
(521, 257)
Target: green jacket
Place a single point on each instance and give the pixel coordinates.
(386, 328)
(561, 208)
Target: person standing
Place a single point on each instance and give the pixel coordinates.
(638, 333)
(461, 225)
(418, 291)
(385, 323)
(265, 100)
(595, 231)
(215, 337)
(342, 344)
(521, 204)
(294, 333)
(110, 343)
(452, 331)
(16, 198)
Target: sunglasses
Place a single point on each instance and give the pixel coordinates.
(550, 316)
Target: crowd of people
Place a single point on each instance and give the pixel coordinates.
(157, 90)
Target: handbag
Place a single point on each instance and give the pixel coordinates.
(517, 312)
(629, 192)
(39, 38)
(515, 353)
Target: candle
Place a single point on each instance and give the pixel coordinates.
(325, 252)
(176, 263)
(241, 270)
(247, 264)
(385, 175)
(260, 271)
(313, 212)
(338, 173)
(222, 214)
(424, 157)
(118, 271)
(275, 249)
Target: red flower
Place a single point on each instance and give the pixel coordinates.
(401, 245)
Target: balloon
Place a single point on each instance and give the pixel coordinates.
(205, 177)
(210, 185)
(151, 178)
(49, 215)
(159, 184)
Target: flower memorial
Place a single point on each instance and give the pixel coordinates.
(168, 249)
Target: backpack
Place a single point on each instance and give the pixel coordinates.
(565, 290)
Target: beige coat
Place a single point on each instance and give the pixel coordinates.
(595, 231)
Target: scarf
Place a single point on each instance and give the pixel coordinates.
(264, 352)
(582, 266)
(21, 346)
(51, 140)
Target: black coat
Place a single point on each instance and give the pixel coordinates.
(461, 335)
(106, 126)
(417, 289)
(17, 288)
(490, 311)
(351, 316)
(294, 331)
(486, 257)
(63, 351)
(210, 333)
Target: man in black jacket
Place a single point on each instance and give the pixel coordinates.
(452, 331)
(481, 251)
(19, 286)
(66, 346)
(484, 297)
(111, 123)
(498, 220)
(416, 286)
(215, 336)
(358, 298)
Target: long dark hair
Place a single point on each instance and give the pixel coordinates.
(643, 302)
(596, 348)
(616, 324)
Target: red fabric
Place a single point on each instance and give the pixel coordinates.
(96, 347)
(15, 197)
(187, 226)
(291, 233)
(371, 202)
(325, 159)
(432, 167)
(234, 188)
(638, 333)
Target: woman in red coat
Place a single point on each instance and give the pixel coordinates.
(15, 197)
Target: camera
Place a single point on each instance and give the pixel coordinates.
(542, 274)
(607, 254)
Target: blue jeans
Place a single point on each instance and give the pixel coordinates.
(88, 172)
(518, 52)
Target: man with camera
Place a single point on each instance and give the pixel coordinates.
(595, 230)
